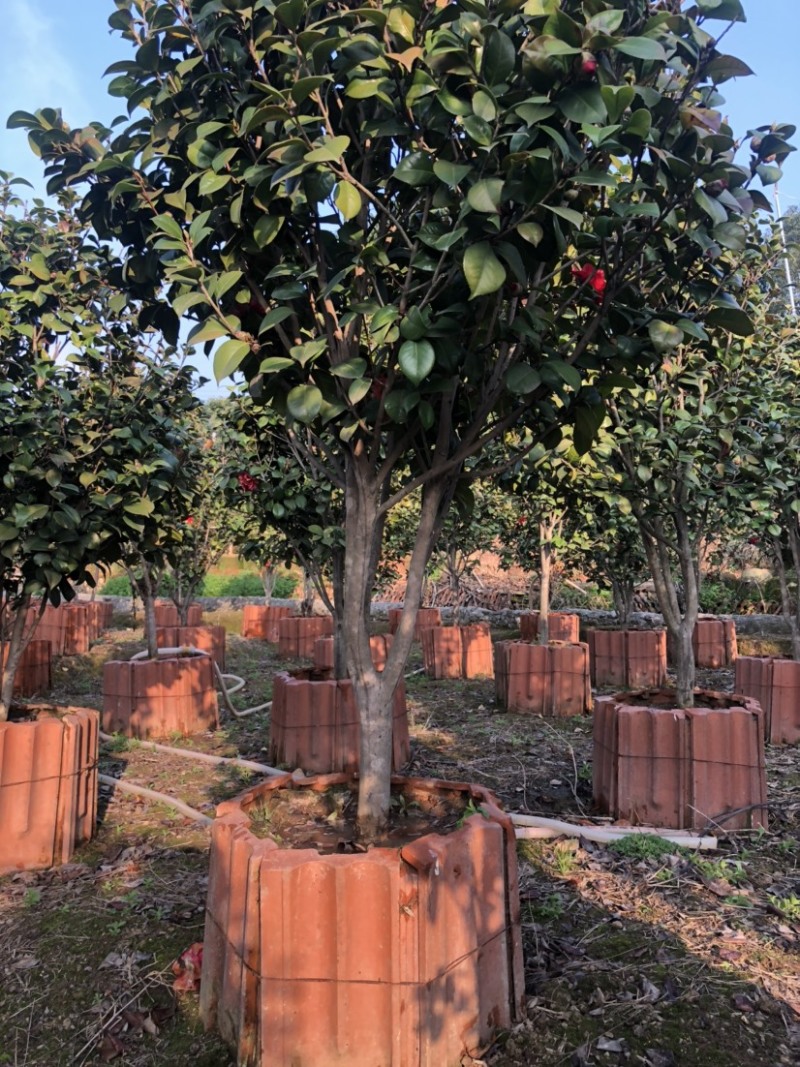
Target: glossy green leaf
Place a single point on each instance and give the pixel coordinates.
(228, 357)
(416, 359)
(330, 151)
(522, 379)
(641, 48)
(567, 213)
(304, 403)
(531, 232)
(450, 173)
(664, 336)
(415, 169)
(486, 195)
(348, 200)
(483, 270)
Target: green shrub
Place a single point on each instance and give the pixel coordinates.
(216, 585)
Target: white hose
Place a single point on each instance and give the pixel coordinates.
(205, 757)
(527, 827)
(151, 794)
(238, 683)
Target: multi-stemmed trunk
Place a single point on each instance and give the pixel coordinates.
(790, 605)
(547, 527)
(13, 647)
(373, 689)
(268, 581)
(679, 624)
(622, 593)
(145, 585)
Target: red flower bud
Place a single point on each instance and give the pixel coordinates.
(190, 521)
(588, 65)
(247, 482)
(587, 273)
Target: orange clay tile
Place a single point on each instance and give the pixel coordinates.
(714, 642)
(156, 698)
(550, 679)
(296, 635)
(425, 617)
(260, 621)
(396, 957)
(48, 787)
(560, 626)
(167, 614)
(628, 658)
(210, 639)
(457, 651)
(682, 768)
(775, 684)
(379, 646)
(314, 723)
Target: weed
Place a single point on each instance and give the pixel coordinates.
(549, 909)
(119, 743)
(563, 860)
(736, 900)
(31, 898)
(789, 906)
(645, 846)
(786, 845)
(470, 809)
(727, 870)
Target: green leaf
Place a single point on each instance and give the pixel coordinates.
(351, 368)
(483, 270)
(567, 213)
(664, 336)
(348, 200)
(499, 56)
(208, 330)
(142, 506)
(582, 105)
(486, 195)
(290, 13)
(641, 48)
(769, 173)
(607, 22)
(304, 403)
(266, 229)
(522, 379)
(734, 320)
(722, 68)
(358, 389)
(531, 232)
(416, 359)
(726, 10)
(211, 183)
(715, 211)
(7, 531)
(37, 265)
(168, 225)
(566, 372)
(330, 151)
(274, 318)
(731, 235)
(228, 357)
(415, 169)
(450, 173)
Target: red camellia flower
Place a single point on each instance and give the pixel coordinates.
(190, 521)
(588, 65)
(247, 482)
(588, 273)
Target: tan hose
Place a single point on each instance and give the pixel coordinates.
(151, 794)
(538, 828)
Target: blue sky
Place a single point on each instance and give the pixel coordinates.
(53, 53)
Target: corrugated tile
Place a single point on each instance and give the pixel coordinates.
(155, 698)
(210, 639)
(628, 658)
(167, 614)
(261, 621)
(297, 634)
(425, 617)
(401, 967)
(714, 642)
(677, 767)
(457, 651)
(48, 788)
(561, 626)
(550, 679)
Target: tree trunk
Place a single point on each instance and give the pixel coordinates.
(307, 603)
(373, 690)
(268, 581)
(790, 609)
(146, 587)
(545, 574)
(622, 594)
(13, 651)
(339, 650)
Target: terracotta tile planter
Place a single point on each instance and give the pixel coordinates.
(296, 635)
(714, 642)
(34, 670)
(425, 617)
(775, 684)
(69, 628)
(167, 614)
(260, 621)
(550, 679)
(560, 626)
(210, 639)
(314, 723)
(664, 766)
(100, 614)
(48, 787)
(457, 651)
(635, 659)
(378, 643)
(397, 957)
(155, 698)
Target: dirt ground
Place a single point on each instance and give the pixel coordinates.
(633, 954)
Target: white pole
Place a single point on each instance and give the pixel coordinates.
(786, 264)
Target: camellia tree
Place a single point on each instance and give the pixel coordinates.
(411, 225)
(84, 423)
(676, 445)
